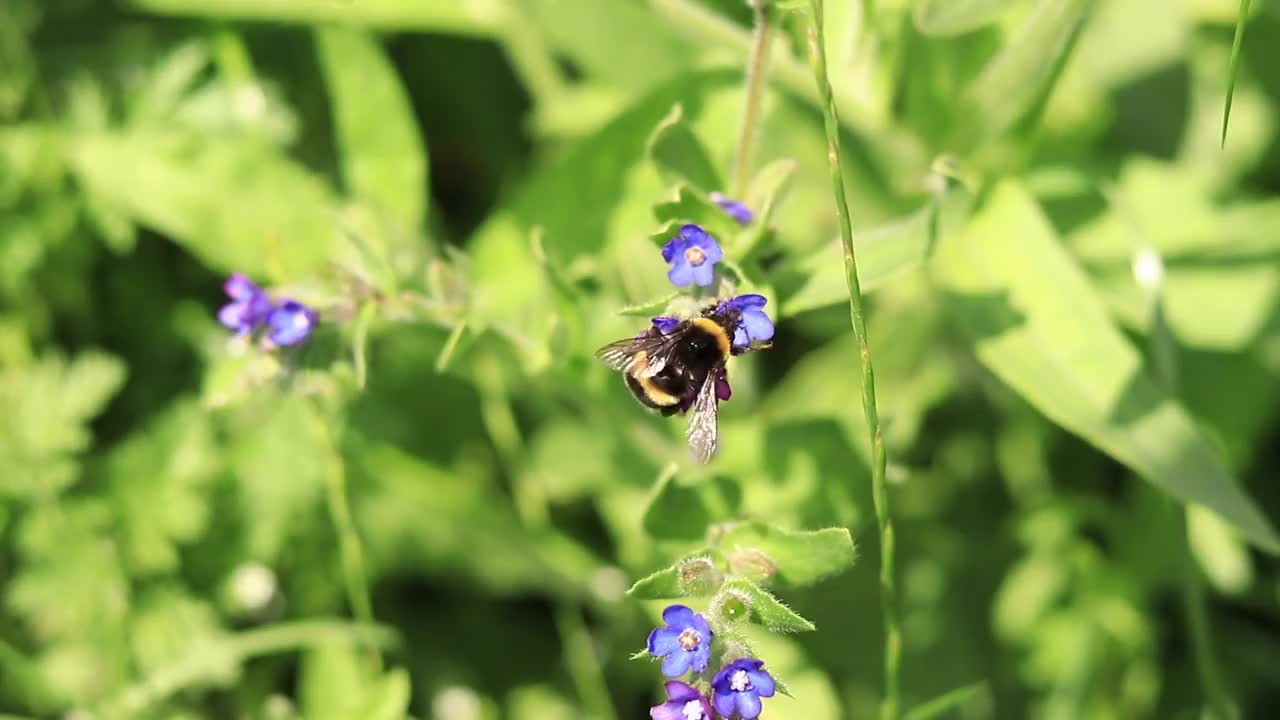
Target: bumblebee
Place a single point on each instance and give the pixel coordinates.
(678, 365)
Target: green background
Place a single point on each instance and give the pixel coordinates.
(1083, 454)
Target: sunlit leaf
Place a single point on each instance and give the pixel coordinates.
(383, 156)
(1038, 325)
(955, 17)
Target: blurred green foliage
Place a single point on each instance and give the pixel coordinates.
(1075, 317)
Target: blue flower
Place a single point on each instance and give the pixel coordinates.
(693, 255)
(684, 643)
(249, 305)
(753, 324)
(683, 703)
(290, 323)
(665, 324)
(738, 687)
(736, 210)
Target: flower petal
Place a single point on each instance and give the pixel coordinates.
(677, 690)
(726, 703)
(665, 324)
(749, 705)
(664, 641)
(679, 617)
(291, 322)
(749, 301)
(713, 251)
(675, 247)
(740, 338)
(667, 711)
(239, 287)
(232, 316)
(703, 274)
(677, 663)
(694, 235)
(680, 274)
(762, 682)
(758, 325)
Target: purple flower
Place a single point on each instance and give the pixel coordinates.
(736, 210)
(249, 305)
(753, 324)
(290, 323)
(665, 324)
(683, 703)
(693, 255)
(738, 687)
(684, 643)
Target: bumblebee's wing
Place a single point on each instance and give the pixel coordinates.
(703, 423)
(643, 356)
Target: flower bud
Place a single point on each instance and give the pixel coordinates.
(699, 576)
(730, 607)
(752, 563)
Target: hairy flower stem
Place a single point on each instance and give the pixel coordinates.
(888, 600)
(757, 70)
(349, 548)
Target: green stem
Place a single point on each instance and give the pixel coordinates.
(349, 549)
(1197, 617)
(583, 664)
(888, 601)
(757, 73)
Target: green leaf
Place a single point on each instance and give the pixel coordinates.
(682, 512)
(767, 189)
(384, 159)
(1038, 325)
(1237, 44)
(687, 204)
(388, 696)
(468, 17)
(659, 585)
(235, 203)
(159, 479)
(801, 557)
(1023, 72)
(47, 408)
(766, 609)
(956, 17)
(1218, 551)
(680, 156)
(650, 308)
(885, 252)
(701, 571)
(975, 698)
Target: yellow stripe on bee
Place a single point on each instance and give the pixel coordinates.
(717, 331)
(638, 363)
(655, 393)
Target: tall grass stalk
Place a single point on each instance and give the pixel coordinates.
(757, 71)
(888, 592)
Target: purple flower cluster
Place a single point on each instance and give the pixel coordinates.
(285, 321)
(684, 644)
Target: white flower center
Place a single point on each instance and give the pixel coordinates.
(695, 256)
(692, 710)
(739, 681)
(689, 639)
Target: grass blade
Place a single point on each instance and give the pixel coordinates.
(1236, 44)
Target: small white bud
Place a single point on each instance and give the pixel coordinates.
(456, 703)
(1148, 269)
(253, 586)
